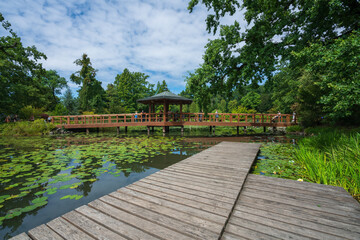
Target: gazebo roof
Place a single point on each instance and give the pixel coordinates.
(166, 96)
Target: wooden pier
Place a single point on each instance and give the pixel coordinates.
(211, 195)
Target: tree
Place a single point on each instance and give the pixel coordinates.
(91, 93)
(69, 102)
(20, 72)
(161, 87)
(275, 30)
(251, 100)
(131, 86)
(53, 84)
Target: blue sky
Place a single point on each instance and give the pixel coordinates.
(159, 38)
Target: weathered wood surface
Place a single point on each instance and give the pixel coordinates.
(272, 208)
(192, 199)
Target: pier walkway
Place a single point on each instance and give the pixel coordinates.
(210, 195)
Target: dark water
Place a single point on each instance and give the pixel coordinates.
(42, 178)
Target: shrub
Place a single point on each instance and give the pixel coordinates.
(294, 128)
(25, 128)
(27, 112)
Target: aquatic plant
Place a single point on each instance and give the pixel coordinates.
(332, 158)
(36, 169)
(277, 160)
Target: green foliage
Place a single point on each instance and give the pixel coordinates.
(54, 83)
(251, 100)
(295, 128)
(332, 158)
(132, 86)
(32, 169)
(277, 160)
(29, 112)
(301, 48)
(233, 104)
(25, 128)
(70, 103)
(60, 110)
(91, 93)
(20, 72)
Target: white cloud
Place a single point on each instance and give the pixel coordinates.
(159, 38)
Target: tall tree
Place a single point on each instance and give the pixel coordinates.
(19, 68)
(53, 84)
(69, 102)
(161, 87)
(131, 86)
(91, 93)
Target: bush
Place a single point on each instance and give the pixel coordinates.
(25, 128)
(295, 128)
(27, 112)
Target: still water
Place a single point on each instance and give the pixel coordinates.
(42, 178)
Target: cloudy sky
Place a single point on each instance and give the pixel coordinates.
(157, 37)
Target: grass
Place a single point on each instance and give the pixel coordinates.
(332, 158)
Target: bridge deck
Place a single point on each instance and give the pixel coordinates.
(206, 197)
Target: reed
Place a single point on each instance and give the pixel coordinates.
(332, 158)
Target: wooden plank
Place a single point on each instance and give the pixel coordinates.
(43, 232)
(189, 191)
(181, 200)
(90, 227)
(193, 186)
(176, 206)
(321, 206)
(209, 201)
(301, 212)
(185, 217)
(114, 224)
(229, 236)
(21, 236)
(209, 170)
(172, 223)
(325, 191)
(318, 227)
(260, 228)
(212, 176)
(140, 223)
(243, 232)
(67, 230)
(201, 180)
(280, 225)
(299, 185)
(302, 194)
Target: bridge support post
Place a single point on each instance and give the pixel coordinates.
(125, 129)
(164, 129)
(264, 129)
(148, 131)
(153, 129)
(210, 129)
(182, 129)
(87, 131)
(237, 130)
(213, 129)
(117, 130)
(244, 129)
(97, 130)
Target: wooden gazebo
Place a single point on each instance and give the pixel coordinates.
(165, 98)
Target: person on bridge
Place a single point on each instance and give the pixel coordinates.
(136, 115)
(217, 115)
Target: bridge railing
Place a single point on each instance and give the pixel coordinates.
(172, 117)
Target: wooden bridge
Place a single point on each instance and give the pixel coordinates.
(173, 119)
(211, 195)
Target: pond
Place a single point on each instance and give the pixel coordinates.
(42, 178)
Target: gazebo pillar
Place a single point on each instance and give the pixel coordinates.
(149, 112)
